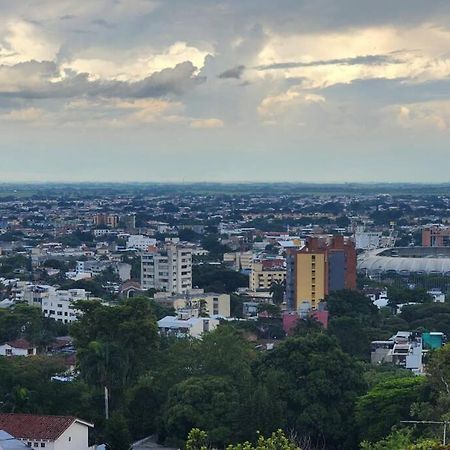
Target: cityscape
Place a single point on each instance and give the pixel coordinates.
(224, 225)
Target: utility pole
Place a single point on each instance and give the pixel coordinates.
(444, 423)
(106, 403)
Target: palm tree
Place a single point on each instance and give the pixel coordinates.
(277, 289)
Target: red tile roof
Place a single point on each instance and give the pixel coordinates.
(20, 343)
(30, 426)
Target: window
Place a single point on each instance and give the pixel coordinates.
(42, 444)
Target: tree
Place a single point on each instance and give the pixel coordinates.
(198, 440)
(386, 404)
(116, 433)
(403, 440)
(115, 345)
(209, 402)
(277, 289)
(319, 384)
(218, 279)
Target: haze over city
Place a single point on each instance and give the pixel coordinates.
(143, 90)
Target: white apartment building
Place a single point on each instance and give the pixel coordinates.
(140, 242)
(168, 270)
(57, 305)
(96, 267)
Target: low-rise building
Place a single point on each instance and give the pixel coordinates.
(140, 242)
(48, 432)
(406, 349)
(197, 302)
(191, 327)
(18, 347)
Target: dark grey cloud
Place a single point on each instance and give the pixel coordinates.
(33, 83)
(364, 59)
(378, 92)
(235, 72)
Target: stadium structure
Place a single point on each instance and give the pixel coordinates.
(406, 261)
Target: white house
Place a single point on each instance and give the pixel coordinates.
(48, 432)
(192, 327)
(19, 347)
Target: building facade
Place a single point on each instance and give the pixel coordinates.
(264, 273)
(323, 265)
(436, 236)
(168, 270)
(58, 305)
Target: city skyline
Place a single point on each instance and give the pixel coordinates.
(227, 91)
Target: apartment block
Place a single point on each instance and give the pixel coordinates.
(239, 260)
(265, 272)
(436, 236)
(168, 269)
(323, 265)
(103, 219)
(58, 304)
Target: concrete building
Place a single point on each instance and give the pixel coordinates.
(323, 265)
(406, 349)
(96, 267)
(108, 220)
(168, 270)
(194, 301)
(265, 272)
(191, 327)
(239, 260)
(58, 304)
(436, 236)
(140, 242)
(49, 432)
(367, 240)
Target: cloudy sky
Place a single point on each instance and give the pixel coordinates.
(237, 90)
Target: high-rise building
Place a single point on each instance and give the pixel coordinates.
(436, 236)
(103, 219)
(168, 270)
(323, 265)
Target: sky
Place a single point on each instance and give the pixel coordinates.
(237, 90)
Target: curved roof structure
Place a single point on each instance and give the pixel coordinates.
(406, 260)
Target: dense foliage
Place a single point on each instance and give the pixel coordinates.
(315, 385)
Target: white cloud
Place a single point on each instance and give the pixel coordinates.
(134, 64)
(419, 54)
(207, 123)
(23, 41)
(433, 115)
(24, 115)
(275, 105)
